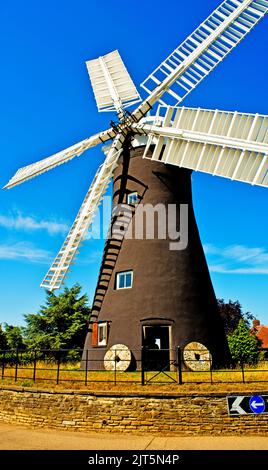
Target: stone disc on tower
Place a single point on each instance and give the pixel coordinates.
(197, 357)
(118, 357)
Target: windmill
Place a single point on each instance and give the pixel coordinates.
(147, 293)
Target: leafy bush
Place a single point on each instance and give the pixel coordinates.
(231, 313)
(244, 345)
(61, 323)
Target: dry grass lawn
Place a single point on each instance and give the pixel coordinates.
(71, 377)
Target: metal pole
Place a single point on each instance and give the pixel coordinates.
(58, 369)
(86, 367)
(179, 365)
(211, 377)
(34, 369)
(3, 364)
(115, 367)
(16, 366)
(242, 370)
(142, 365)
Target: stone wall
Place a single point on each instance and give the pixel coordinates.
(170, 413)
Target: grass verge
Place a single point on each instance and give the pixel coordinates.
(69, 376)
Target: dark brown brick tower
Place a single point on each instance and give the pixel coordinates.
(147, 292)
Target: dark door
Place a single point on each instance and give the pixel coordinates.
(156, 347)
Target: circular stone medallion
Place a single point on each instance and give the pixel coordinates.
(197, 357)
(118, 357)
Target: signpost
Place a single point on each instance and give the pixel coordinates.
(257, 404)
(245, 405)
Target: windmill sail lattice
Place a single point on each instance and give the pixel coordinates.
(201, 52)
(112, 85)
(229, 144)
(35, 169)
(59, 268)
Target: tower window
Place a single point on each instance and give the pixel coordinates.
(102, 334)
(99, 334)
(133, 198)
(124, 280)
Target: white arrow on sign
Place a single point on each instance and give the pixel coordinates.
(255, 404)
(236, 406)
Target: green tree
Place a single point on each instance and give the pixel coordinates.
(14, 337)
(61, 323)
(244, 345)
(231, 313)
(3, 339)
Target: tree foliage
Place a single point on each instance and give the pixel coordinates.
(3, 339)
(61, 323)
(243, 344)
(231, 313)
(14, 337)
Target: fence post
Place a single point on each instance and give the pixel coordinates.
(16, 366)
(86, 367)
(34, 369)
(58, 368)
(179, 365)
(115, 357)
(142, 365)
(3, 364)
(242, 370)
(211, 376)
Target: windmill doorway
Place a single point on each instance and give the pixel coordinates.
(156, 343)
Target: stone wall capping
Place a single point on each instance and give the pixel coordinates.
(123, 394)
(170, 413)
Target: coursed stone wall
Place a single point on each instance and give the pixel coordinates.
(172, 413)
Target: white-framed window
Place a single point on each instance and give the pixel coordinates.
(99, 334)
(102, 334)
(133, 198)
(124, 280)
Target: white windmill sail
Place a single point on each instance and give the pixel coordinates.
(112, 85)
(223, 143)
(37, 168)
(201, 52)
(61, 264)
(233, 145)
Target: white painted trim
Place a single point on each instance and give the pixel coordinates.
(131, 194)
(104, 342)
(205, 138)
(118, 278)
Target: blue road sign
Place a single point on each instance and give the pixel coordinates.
(246, 404)
(257, 404)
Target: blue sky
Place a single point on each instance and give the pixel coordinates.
(47, 104)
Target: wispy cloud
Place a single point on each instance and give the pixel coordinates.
(237, 259)
(21, 222)
(24, 251)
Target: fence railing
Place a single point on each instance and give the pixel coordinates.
(149, 366)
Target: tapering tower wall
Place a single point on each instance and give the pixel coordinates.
(170, 289)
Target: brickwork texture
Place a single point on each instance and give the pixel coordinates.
(171, 414)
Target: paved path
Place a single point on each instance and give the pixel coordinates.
(22, 438)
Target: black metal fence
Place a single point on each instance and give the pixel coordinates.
(150, 367)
